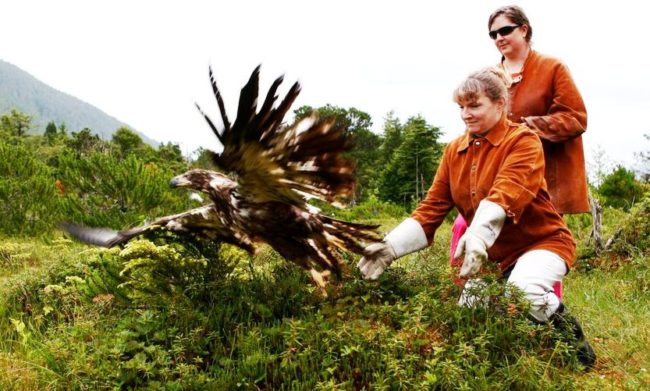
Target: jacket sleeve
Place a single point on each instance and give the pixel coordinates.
(432, 210)
(520, 177)
(567, 115)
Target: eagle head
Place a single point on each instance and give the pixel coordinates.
(203, 180)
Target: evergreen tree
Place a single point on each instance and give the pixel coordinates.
(408, 175)
(127, 142)
(203, 160)
(63, 130)
(620, 189)
(392, 136)
(84, 142)
(29, 202)
(50, 131)
(15, 123)
(170, 153)
(365, 144)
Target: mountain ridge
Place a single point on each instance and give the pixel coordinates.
(24, 92)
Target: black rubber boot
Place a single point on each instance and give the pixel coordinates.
(569, 325)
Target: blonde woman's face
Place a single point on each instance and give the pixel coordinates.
(481, 114)
(514, 40)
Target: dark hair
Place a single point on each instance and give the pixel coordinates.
(516, 15)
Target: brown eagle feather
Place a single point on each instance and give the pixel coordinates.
(275, 168)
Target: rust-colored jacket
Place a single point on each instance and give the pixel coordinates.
(506, 167)
(548, 101)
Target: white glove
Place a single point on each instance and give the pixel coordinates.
(404, 239)
(479, 237)
(377, 257)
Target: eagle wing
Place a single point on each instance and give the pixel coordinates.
(203, 222)
(276, 162)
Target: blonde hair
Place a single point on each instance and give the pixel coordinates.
(493, 82)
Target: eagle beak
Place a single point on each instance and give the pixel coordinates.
(179, 181)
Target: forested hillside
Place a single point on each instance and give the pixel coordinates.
(23, 92)
(174, 313)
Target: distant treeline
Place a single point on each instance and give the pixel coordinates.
(78, 176)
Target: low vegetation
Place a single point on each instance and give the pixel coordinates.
(170, 313)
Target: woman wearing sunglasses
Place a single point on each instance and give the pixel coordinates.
(544, 97)
(494, 176)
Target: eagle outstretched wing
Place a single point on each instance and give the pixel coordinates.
(203, 222)
(273, 169)
(276, 162)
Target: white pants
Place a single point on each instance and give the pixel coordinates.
(534, 273)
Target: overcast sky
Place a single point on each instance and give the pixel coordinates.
(146, 62)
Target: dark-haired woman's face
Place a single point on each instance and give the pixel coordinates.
(511, 42)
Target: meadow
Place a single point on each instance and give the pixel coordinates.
(166, 313)
(171, 313)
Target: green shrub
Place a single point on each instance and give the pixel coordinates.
(369, 210)
(163, 313)
(102, 190)
(29, 202)
(634, 236)
(620, 189)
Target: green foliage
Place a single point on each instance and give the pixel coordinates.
(203, 159)
(393, 136)
(127, 142)
(50, 132)
(15, 123)
(103, 190)
(620, 189)
(84, 143)
(370, 210)
(365, 152)
(29, 202)
(168, 316)
(412, 166)
(167, 312)
(46, 179)
(634, 235)
(170, 154)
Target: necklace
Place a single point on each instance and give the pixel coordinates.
(515, 77)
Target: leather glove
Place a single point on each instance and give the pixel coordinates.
(475, 250)
(479, 237)
(376, 258)
(404, 239)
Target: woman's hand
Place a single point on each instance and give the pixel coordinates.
(475, 250)
(377, 258)
(404, 239)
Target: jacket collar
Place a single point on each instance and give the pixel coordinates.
(532, 54)
(494, 136)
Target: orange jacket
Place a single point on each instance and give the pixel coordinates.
(506, 167)
(548, 101)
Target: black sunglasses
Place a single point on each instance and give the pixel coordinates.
(503, 31)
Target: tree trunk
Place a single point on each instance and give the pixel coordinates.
(597, 229)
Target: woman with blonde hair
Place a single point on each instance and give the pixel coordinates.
(494, 176)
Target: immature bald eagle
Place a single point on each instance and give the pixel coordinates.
(274, 169)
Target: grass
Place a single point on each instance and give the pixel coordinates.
(615, 308)
(69, 320)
